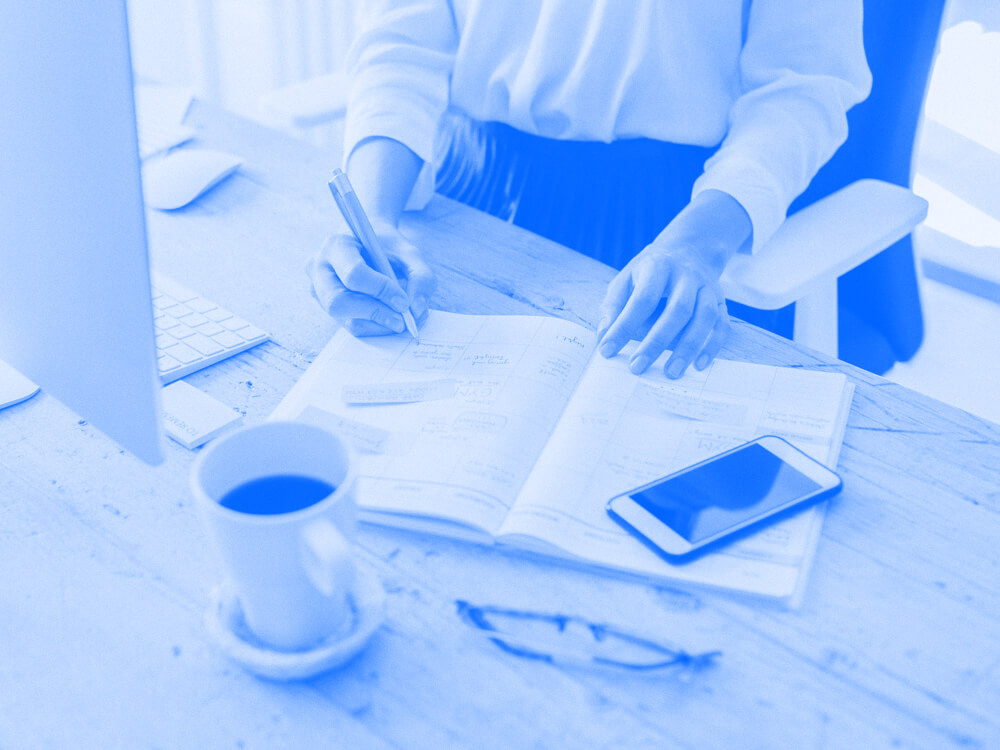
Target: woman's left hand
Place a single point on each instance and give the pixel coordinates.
(693, 322)
(682, 266)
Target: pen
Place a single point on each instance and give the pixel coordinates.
(357, 220)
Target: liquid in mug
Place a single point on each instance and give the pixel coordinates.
(282, 493)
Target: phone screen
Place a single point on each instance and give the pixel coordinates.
(725, 492)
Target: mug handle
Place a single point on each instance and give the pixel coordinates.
(326, 557)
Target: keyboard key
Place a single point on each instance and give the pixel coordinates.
(165, 341)
(164, 302)
(218, 315)
(164, 323)
(234, 323)
(201, 305)
(184, 353)
(227, 339)
(202, 344)
(250, 333)
(193, 319)
(210, 329)
(166, 363)
(182, 331)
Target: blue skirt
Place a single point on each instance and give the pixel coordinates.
(610, 200)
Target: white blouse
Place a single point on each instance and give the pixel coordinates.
(771, 80)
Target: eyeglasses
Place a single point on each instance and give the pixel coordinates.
(565, 639)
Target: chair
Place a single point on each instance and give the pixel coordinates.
(846, 234)
(799, 270)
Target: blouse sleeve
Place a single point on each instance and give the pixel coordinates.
(401, 64)
(801, 68)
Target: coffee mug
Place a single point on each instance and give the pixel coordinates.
(278, 499)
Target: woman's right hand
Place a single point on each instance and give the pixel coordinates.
(364, 301)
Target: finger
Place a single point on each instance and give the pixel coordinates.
(693, 337)
(715, 341)
(649, 283)
(614, 300)
(323, 282)
(678, 311)
(347, 305)
(361, 328)
(344, 256)
(419, 282)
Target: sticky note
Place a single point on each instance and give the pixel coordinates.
(192, 417)
(399, 393)
(700, 408)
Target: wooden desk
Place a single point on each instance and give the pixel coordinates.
(105, 569)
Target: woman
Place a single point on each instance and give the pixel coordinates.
(660, 136)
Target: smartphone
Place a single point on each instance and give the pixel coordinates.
(711, 500)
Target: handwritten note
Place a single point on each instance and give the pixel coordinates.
(399, 393)
(429, 356)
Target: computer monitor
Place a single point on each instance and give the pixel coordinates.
(75, 306)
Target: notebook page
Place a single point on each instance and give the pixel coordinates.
(461, 458)
(619, 432)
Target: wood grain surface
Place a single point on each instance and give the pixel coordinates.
(106, 570)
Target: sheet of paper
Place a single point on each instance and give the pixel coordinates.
(619, 432)
(461, 458)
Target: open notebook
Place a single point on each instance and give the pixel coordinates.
(530, 432)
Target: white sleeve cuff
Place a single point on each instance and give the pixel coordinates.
(749, 184)
(359, 129)
(400, 110)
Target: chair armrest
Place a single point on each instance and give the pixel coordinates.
(820, 243)
(310, 102)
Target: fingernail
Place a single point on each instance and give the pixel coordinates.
(419, 306)
(639, 363)
(399, 302)
(394, 323)
(603, 325)
(702, 362)
(675, 370)
(608, 349)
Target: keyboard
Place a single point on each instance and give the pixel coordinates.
(193, 332)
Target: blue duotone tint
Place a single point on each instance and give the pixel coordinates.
(724, 493)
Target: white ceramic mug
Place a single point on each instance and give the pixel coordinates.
(291, 571)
